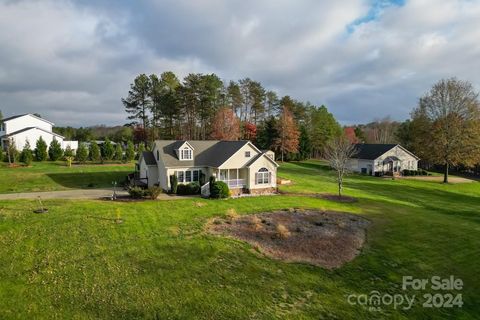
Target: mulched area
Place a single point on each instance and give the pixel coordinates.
(322, 238)
(337, 198)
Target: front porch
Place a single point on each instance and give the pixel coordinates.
(392, 166)
(234, 178)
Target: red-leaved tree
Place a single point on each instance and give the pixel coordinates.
(249, 131)
(226, 125)
(350, 134)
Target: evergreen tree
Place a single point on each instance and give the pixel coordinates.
(27, 154)
(41, 153)
(94, 151)
(82, 153)
(138, 101)
(267, 134)
(304, 145)
(55, 151)
(12, 152)
(108, 151)
(68, 152)
(141, 149)
(118, 152)
(130, 152)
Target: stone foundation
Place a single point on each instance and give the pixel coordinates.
(236, 191)
(269, 190)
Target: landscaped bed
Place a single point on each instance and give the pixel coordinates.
(323, 238)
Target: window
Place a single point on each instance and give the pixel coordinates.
(247, 154)
(186, 154)
(196, 174)
(180, 175)
(188, 176)
(263, 176)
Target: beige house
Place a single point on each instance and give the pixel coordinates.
(382, 159)
(241, 165)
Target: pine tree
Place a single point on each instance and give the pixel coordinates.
(41, 153)
(118, 152)
(55, 152)
(130, 152)
(304, 145)
(108, 151)
(94, 151)
(82, 153)
(27, 155)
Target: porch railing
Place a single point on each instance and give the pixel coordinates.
(235, 183)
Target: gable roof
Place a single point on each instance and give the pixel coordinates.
(149, 158)
(209, 153)
(258, 156)
(371, 151)
(25, 114)
(31, 128)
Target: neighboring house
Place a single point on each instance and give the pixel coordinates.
(241, 165)
(28, 127)
(382, 159)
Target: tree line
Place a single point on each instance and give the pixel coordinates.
(202, 107)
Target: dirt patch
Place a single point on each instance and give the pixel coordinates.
(327, 239)
(337, 198)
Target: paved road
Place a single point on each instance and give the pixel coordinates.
(66, 194)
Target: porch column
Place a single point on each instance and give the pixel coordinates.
(228, 175)
(238, 178)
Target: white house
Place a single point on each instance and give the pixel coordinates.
(240, 164)
(382, 159)
(28, 127)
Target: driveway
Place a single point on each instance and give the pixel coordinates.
(65, 194)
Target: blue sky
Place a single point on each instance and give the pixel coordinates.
(73, 60)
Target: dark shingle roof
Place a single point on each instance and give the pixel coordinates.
(371, 151)
(149, 158)
(207, 153)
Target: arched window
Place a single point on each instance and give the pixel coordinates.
(263, 176)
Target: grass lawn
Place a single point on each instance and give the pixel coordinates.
(50, 176)
(75, 262)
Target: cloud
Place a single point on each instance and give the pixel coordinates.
(72, 61)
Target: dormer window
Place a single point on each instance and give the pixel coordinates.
(186, 154)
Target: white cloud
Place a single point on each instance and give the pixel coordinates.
(73, 60)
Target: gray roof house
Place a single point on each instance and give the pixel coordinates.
(240, 164)
(382, 159)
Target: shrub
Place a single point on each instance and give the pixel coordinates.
(55, 152)
(153, 192)
(173, 184)
(232, 214)
(211, 181)
(188, 189)
(141, 148)
(282, 232)
(219, 190)
(136, 192)
(41, 150)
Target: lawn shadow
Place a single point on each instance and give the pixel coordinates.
(86, 180)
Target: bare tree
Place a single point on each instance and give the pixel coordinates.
(338, 152)
(447, 125)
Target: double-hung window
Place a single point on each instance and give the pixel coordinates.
(196, 175)
(188, 176)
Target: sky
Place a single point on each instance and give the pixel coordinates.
(73, 60)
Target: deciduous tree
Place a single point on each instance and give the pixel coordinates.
(226, 125)
(448, 117)
(287, 140)
(338, 151)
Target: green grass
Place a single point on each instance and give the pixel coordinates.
(50, 176)
(74, 262)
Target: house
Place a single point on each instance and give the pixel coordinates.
(28, 127)
(241, 165)
(382, 159)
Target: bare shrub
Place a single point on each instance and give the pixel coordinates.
(282, 232)
(232, 214)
